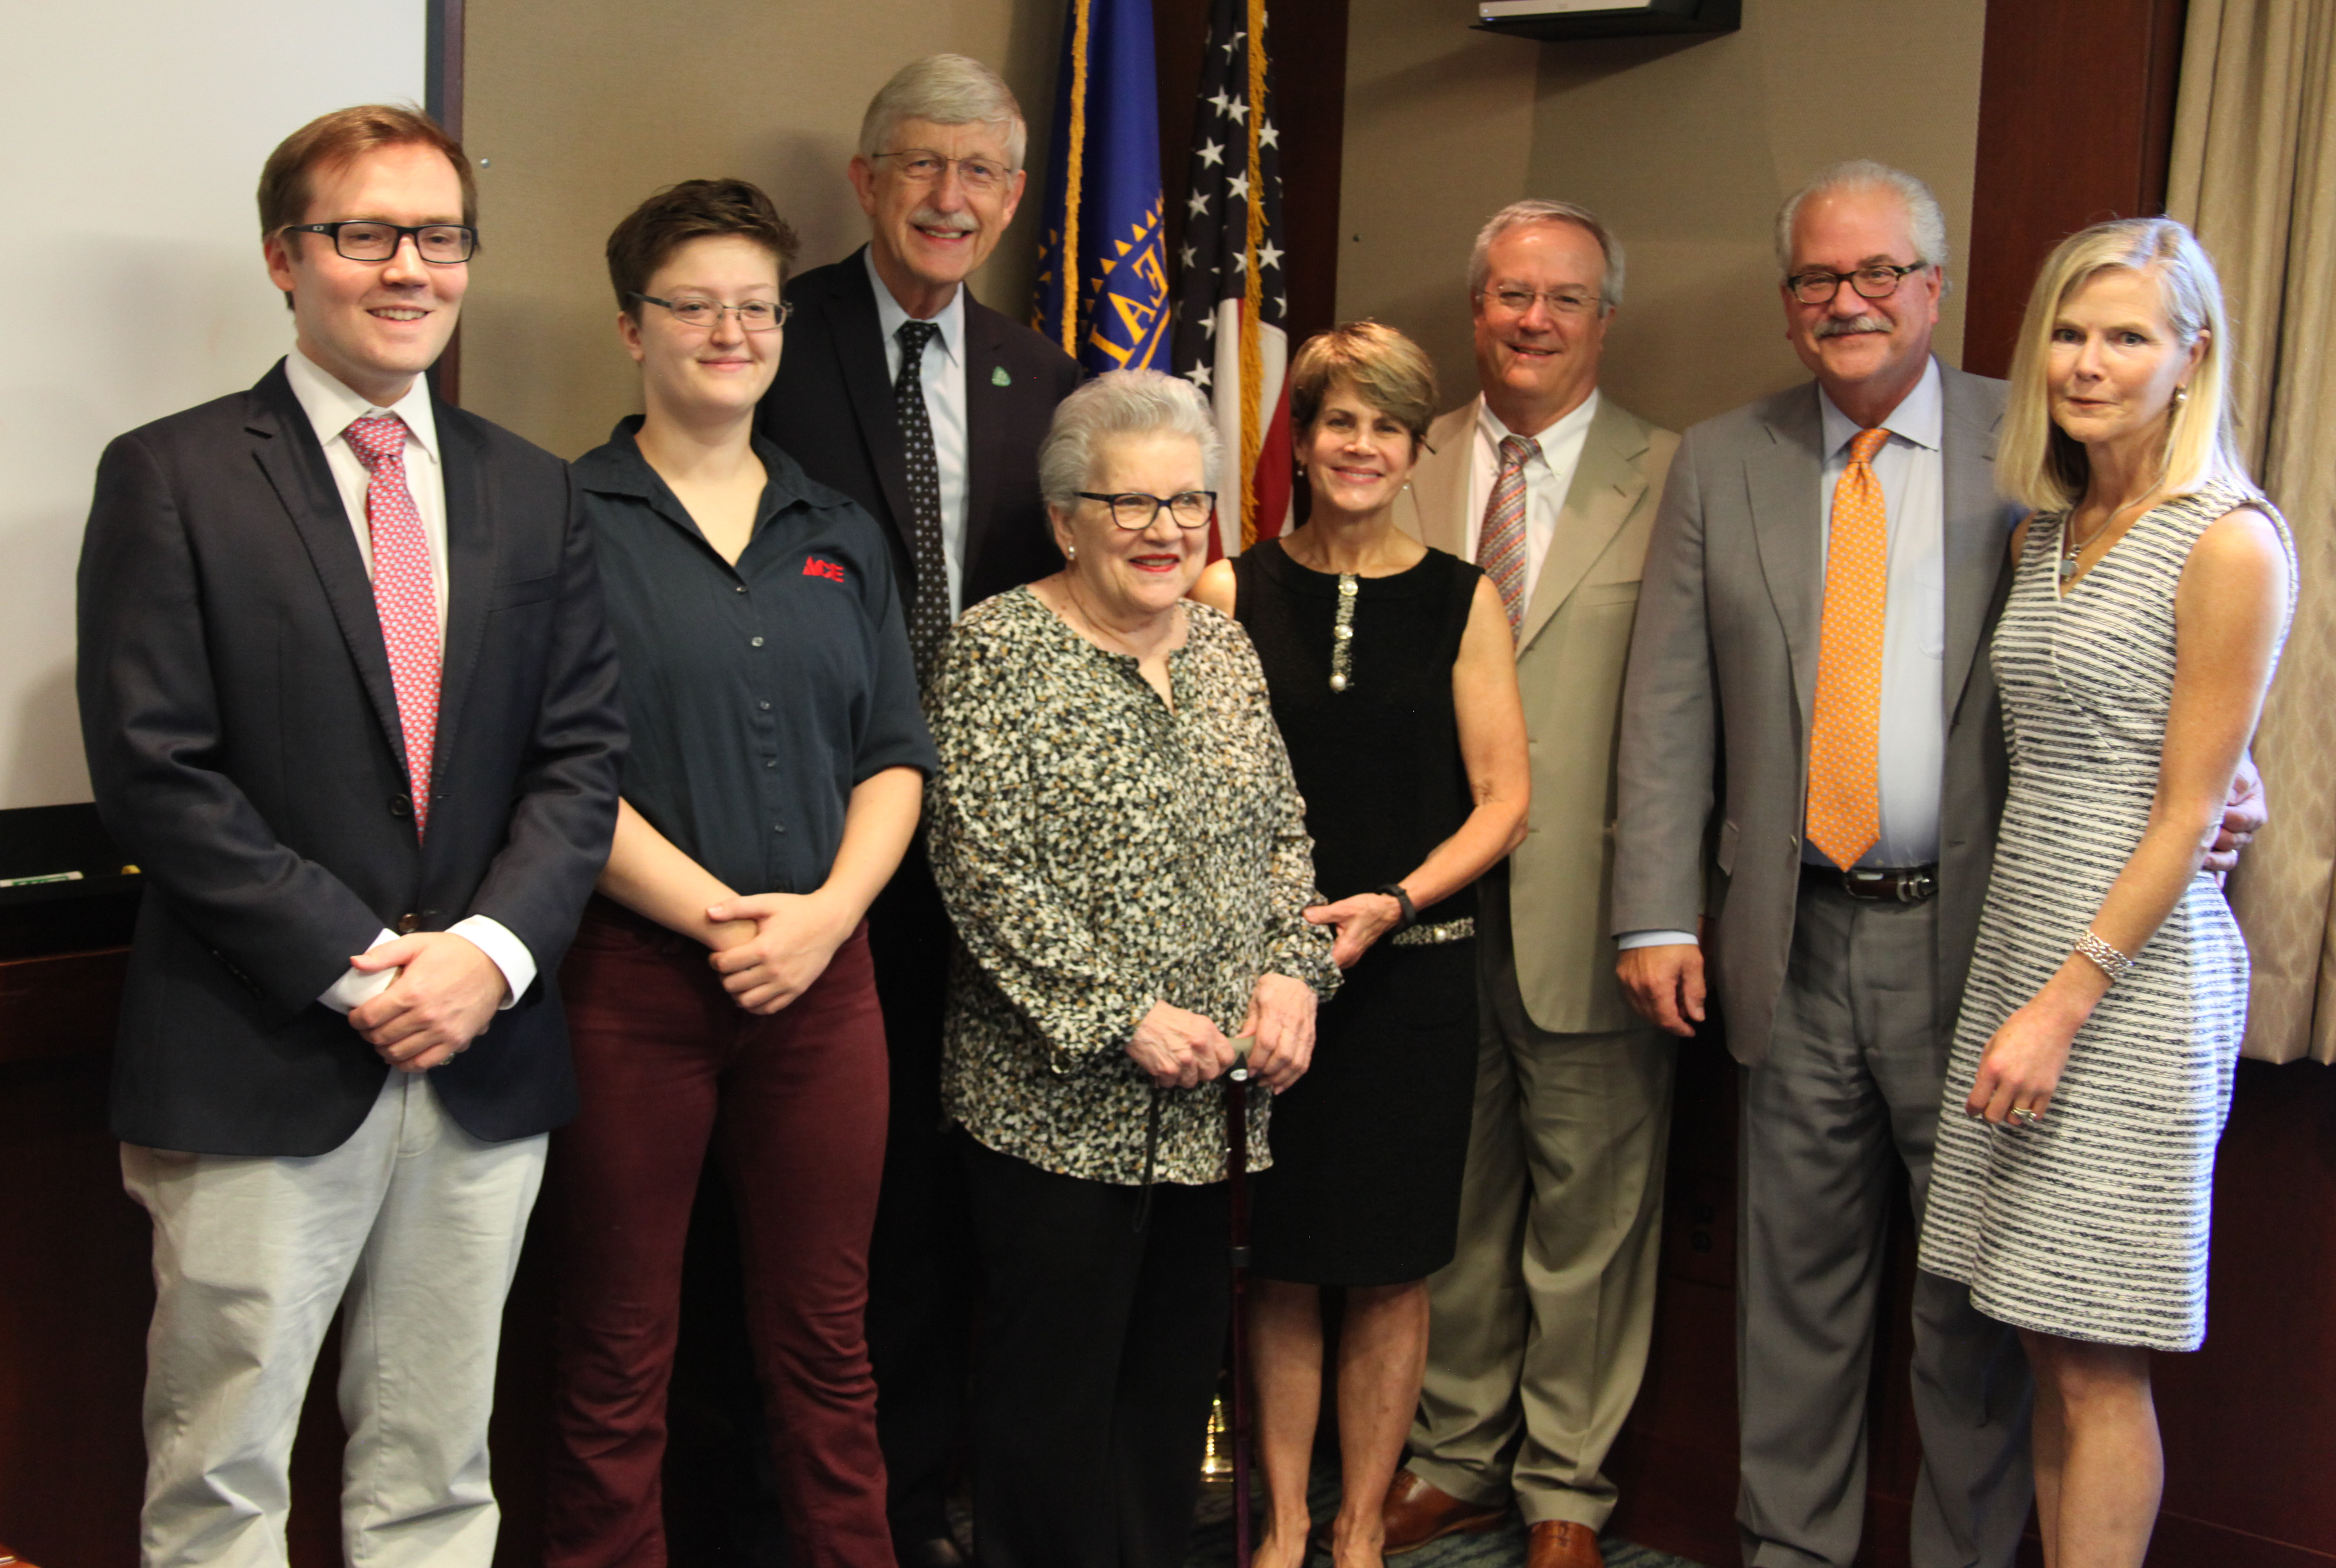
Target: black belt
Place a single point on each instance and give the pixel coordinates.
(1909, 885)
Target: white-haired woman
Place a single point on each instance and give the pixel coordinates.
(2091, 1071)
(1119, 841)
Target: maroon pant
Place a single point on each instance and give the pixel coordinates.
(794, 1106)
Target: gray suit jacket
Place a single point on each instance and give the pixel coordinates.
(1571, 654)
(1723, 682)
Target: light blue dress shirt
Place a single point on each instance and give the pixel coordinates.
(1912, 743)
(941, 373)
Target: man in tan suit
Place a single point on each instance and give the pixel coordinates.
(1540, 1324)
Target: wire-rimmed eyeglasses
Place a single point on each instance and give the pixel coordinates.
(754, 314)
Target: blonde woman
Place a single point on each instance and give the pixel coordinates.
(2091, 1071)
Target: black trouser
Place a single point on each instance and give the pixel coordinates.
(1098, 1358)
(921, 1268)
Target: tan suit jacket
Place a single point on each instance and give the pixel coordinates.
(1571, 656)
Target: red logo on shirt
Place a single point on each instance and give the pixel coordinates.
(830, 570)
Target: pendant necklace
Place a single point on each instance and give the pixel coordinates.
(1342, 634)
(2071, 547)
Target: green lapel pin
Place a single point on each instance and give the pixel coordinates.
(998, 377)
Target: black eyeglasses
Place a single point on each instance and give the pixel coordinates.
(365, 240)
(754, 315)
(1879, 281)
(1134, 511)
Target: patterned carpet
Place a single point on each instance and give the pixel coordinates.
(1213, 1537)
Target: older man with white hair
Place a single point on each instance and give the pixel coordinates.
(924, 405)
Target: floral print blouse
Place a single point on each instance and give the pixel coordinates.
(1099, 852)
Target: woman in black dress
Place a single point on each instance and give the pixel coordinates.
(1392, 678)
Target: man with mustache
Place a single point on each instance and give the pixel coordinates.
(1810, 710)
(901, 390)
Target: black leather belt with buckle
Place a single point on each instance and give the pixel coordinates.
(1910, 885)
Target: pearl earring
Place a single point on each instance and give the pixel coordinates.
(2181, 395)
(1070, 552)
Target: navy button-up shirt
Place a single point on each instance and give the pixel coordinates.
(758, 694)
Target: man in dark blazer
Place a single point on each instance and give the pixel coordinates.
(941, 445)
(348, 703)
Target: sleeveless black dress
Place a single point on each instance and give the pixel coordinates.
(1369, 1145)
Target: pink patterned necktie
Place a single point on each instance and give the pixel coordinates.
(1501, 545)
(404, 595)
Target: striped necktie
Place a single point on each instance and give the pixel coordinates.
(1501, 542)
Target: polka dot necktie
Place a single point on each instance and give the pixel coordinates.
(929, 609)
(1844, 742)
(404, 595)
(1501, 542)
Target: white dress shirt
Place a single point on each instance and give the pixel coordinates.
(1548, 476)
(1912, 739)
(941, 375)
(332, 407)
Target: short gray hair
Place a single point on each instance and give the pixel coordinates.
(1922, 214)
(1116, 404)
(947, 89)
(1534, 209)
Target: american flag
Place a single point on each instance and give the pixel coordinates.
(1229, 315)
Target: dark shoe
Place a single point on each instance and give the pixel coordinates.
(939, 1552)
(1563, 1543)
(1416, 1512)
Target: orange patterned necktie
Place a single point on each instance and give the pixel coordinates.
(1844, 743)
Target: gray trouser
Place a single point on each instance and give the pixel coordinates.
(1857, 1059)
(1539, 1325)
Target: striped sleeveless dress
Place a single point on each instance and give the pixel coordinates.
(2092, 1225)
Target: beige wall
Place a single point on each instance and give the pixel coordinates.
(1685, 149)
(577, 109)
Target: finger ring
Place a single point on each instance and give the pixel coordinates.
(2024, 1117)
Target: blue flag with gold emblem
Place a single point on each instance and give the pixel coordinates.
(1103, 273)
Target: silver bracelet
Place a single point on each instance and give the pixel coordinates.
(2105, 958)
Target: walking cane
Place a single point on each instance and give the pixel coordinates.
(1237, 1137)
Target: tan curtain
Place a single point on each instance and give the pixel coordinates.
(2254, 175)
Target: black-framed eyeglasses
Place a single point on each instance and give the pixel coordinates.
(1879, 281)
(1134, 511)
(754, 314)
(1560, 301)
(366, 239)
(922, 166)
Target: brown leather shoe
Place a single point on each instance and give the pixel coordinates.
(1563, 1543)
(1416, 1512)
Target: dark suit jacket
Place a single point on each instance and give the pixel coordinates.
(1722, 688)
(831, 409)
(244, 746)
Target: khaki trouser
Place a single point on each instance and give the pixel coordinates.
(1539, 1325)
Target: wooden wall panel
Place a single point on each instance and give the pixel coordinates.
(2076, 125)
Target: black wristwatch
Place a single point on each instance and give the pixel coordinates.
(1410, 915)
